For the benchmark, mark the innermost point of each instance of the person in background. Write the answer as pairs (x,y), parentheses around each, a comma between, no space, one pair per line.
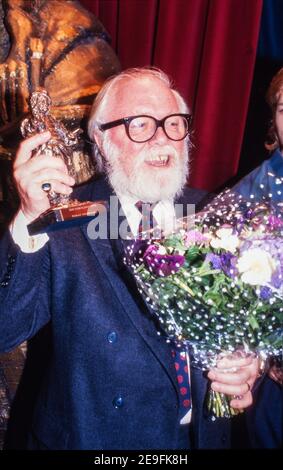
(267,179)
(265,420)
(111,381)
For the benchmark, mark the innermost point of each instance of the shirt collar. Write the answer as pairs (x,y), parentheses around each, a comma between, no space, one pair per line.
(276,163)
(163,212)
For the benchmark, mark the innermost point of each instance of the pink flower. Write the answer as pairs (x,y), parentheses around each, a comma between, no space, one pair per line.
(195,237)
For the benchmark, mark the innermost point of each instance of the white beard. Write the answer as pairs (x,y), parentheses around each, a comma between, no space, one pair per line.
(146,184)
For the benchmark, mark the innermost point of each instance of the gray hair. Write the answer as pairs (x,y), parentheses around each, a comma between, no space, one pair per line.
(102,99)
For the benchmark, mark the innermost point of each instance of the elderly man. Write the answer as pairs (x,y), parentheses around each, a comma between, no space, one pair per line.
(111,381)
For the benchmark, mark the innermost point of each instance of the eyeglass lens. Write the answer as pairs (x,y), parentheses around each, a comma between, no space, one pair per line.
(143,128)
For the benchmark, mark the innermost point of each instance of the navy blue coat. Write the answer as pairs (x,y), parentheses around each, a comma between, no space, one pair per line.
(265,417)
(111,382)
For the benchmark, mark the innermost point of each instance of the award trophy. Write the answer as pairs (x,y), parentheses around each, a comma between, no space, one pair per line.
(63,211)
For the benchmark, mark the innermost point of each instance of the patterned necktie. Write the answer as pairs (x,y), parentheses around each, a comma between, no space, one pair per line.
(147,221)
(181,367)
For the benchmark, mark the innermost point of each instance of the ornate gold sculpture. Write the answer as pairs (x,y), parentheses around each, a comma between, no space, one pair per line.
(62,142)
(64,211)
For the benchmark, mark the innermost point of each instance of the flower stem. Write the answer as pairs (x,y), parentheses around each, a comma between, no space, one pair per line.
(218,404)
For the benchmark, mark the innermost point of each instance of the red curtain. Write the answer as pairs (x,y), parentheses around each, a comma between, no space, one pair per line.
(208,47)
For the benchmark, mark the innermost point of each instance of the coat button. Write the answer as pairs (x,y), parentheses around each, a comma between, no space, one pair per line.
(118,402)
(112,337)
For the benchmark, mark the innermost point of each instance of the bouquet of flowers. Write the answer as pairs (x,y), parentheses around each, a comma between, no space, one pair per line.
(216,285)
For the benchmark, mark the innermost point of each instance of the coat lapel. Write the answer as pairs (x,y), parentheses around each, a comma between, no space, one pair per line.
(109,255)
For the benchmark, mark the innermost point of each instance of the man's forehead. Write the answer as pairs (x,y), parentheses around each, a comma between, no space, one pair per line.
(133,94)
(146,86)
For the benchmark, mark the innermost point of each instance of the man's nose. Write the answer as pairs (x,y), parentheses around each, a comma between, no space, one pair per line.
(160,137)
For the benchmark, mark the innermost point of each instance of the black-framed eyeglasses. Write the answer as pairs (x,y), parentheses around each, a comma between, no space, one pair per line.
(142,128)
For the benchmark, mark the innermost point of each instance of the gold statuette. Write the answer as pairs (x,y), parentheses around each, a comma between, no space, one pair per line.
(63,210)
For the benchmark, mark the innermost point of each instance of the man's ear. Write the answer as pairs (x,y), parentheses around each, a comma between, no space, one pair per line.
(97,138)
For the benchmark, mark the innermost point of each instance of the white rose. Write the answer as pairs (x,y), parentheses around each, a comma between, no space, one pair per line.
(256,266)
(226,240)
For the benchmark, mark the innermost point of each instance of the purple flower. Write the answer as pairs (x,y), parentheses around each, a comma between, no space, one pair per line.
(162,265)
(229,263)
(226,262)
(275,222)
(134,251)
(277,278)
(215,260)
(265,293)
